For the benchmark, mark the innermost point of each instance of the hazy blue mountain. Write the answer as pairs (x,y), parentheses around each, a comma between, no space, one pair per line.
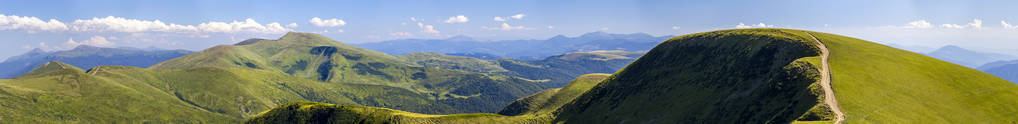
(521,49)
(913,48)
(1007,70)
(965,57)
(85,56)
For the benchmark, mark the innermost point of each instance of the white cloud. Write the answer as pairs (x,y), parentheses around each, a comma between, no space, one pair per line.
(551,27)
(94,41)
(518,16)
(457,19)
(919,24)
(506,27)
(31,24)
(1008,26)
(401,34)
(676,27)
(502,19)
(327,23)
(976,23)
(119,24)
(248,25)
(292,25)
(760,25)
(429,29)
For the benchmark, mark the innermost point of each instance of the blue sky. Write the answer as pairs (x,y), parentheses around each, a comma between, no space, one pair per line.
(195,25)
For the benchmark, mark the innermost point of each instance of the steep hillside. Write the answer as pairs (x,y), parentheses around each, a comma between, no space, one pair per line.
(315,57)
(87,57)
(728,76)
(879,84)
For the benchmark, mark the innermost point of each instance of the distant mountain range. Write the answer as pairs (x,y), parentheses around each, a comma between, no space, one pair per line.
(966,57)
(521,49)
(87,57)
(1003,69)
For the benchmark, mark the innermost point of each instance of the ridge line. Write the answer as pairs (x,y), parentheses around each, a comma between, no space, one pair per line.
(825,81)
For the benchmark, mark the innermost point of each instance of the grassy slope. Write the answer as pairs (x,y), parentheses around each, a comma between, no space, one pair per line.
(728,76)
(205,94)
(70,95)
(547,101)
(879,84)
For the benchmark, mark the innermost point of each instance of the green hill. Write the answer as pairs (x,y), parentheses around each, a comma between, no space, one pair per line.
(547,101)
(315,57)
(728,76)
(756,76)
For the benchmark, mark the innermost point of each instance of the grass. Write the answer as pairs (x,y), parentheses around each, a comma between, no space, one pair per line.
(545,102)
(878,84)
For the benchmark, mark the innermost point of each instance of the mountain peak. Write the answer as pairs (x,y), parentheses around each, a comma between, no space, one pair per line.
(249,41)
(36,50)
(51,67)
(460,38)
(951,47)
(558,37)
(85,47)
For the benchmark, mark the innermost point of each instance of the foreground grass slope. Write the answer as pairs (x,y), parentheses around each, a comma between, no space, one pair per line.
(879,84)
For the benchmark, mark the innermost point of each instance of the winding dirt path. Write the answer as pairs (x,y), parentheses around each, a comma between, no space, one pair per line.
(825,82)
